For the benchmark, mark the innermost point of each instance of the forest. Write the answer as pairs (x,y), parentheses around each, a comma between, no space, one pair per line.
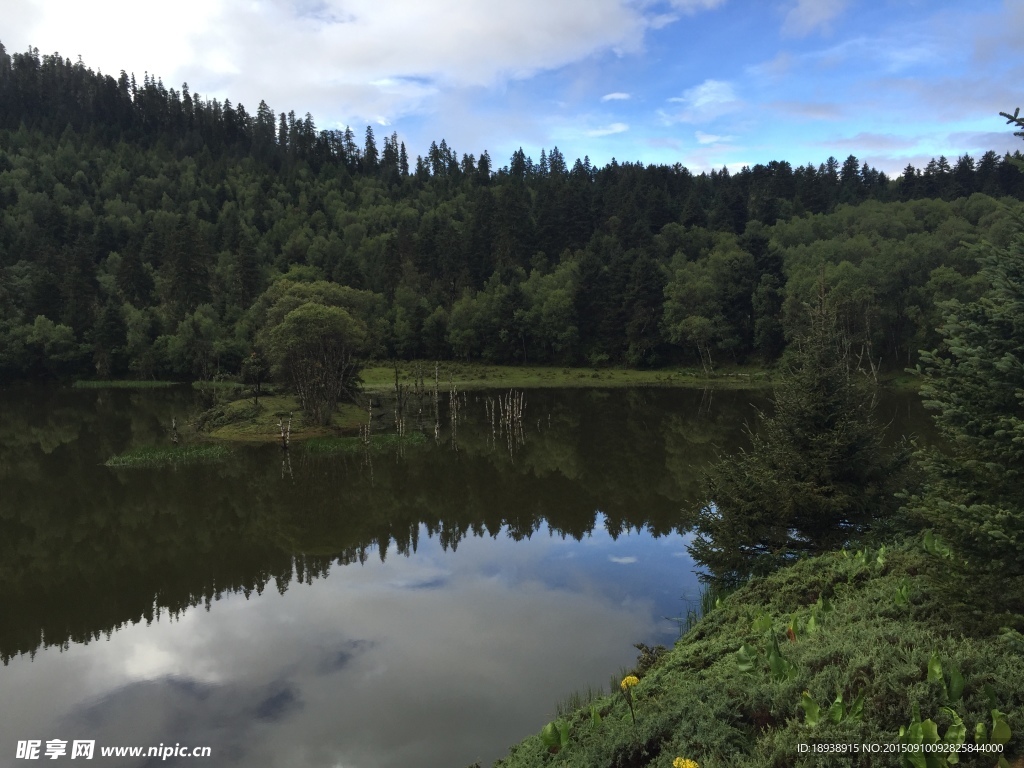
(147,232)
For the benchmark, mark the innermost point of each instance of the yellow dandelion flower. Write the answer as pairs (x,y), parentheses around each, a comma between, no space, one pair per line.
(628,682)
(683,762)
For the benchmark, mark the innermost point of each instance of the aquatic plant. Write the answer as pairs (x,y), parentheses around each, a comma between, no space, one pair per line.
(166,456)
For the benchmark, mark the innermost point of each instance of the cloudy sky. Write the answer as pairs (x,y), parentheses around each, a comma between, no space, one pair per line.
(705,83)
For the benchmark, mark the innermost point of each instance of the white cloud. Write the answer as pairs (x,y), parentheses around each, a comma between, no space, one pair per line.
(622,560)
(710,99)
(617,96)
(710,138)
(608,130)
(775,68)
(661,20)
(708,93)
(808,15)
(693,6)
(338,59)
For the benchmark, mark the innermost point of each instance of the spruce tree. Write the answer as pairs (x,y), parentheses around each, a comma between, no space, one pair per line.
(817,476)
(975,383)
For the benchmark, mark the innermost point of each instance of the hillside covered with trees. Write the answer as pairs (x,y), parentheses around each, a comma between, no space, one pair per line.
(148,232)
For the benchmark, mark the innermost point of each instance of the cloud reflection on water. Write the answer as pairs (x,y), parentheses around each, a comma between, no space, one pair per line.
(466,651)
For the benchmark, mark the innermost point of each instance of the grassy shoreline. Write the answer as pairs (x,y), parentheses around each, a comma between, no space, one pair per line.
(380,377)
(243,421)
(837,649)
(240,420)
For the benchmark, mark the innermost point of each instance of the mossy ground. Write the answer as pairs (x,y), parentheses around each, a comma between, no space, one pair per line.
(243,420)
(697,703)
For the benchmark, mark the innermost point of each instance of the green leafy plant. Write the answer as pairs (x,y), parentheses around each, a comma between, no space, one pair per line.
(762,623)
(746,659)
(837,711)
(902,596)
(555,736)
(781,668)
(1001,732)
(812,712)
(935,546)
(922,735)
(952,684)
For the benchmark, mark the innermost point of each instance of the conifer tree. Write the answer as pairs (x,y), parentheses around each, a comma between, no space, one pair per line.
(975,382)
(816,477)
(370,156)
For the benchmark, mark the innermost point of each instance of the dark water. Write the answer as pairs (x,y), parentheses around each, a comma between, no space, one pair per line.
(424,608)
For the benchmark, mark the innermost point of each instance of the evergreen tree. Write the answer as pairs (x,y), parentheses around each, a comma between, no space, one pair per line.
(816,477)
(975,382)
(370,160)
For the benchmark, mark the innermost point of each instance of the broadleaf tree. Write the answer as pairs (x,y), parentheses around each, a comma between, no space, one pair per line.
(316,349)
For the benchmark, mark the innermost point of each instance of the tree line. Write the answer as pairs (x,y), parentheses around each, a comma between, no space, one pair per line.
(147,231)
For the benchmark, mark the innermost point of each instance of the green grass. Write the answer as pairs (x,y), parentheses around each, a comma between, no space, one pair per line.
(708,598)
(336,445)
(168,456)
(83,384)
(580,699)
(381,377)
(241,421)
(700,702)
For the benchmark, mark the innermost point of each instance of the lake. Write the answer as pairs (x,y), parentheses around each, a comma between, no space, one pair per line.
(421,605)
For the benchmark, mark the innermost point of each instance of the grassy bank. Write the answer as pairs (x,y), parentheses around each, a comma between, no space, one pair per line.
(381,378)
(835,650)
(242,420)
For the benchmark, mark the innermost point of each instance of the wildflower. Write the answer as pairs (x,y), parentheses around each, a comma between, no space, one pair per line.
(625,686)
(683,762)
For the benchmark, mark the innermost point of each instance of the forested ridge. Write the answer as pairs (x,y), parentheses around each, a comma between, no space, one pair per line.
(148,232)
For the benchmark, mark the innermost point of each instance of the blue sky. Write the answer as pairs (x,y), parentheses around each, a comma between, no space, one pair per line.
(705,83)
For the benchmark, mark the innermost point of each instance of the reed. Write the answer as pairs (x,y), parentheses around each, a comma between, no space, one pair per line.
(709,598)
(578,700)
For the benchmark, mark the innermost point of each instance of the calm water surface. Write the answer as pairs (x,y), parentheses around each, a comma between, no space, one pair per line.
(424,608)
